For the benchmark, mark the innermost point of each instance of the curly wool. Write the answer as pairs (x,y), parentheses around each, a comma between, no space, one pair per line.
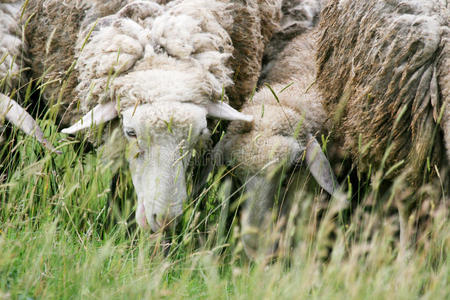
(175,53)
(383,73)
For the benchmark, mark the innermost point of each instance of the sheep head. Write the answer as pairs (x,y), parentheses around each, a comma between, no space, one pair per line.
(283,132)
(281,137)
(161,137)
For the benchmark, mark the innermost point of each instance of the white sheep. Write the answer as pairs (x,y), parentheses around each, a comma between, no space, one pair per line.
(384,74)
(287,117)
(161,69)
(12,71)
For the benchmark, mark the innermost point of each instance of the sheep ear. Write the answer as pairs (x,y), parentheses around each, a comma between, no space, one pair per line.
(18,116)
(319,166)
(222,110)
(100,114)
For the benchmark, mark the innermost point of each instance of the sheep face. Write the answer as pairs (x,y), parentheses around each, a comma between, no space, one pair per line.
(161,139)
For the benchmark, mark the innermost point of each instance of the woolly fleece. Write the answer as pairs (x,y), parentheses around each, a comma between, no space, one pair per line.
(383,71)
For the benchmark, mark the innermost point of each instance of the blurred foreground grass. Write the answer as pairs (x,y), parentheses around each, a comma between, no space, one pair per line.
(62,236)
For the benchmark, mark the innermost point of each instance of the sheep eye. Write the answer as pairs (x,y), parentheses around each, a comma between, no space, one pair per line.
(130,133)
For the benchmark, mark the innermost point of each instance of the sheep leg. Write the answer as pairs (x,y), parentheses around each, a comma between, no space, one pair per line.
(256,217)
(403,219)
(405,232)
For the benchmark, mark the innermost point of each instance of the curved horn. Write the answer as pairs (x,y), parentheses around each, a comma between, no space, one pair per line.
(320,167)
(18,116)
(222,110)
(98,115)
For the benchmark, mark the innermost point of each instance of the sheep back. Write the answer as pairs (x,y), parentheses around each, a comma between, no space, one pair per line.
(298,16)
(377,72)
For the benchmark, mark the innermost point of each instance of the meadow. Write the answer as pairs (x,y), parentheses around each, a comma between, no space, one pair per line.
(67,233)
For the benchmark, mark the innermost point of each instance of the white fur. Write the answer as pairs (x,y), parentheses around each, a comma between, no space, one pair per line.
(182,57)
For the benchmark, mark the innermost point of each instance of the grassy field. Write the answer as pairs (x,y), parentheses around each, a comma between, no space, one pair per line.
(63,236)
(65,233)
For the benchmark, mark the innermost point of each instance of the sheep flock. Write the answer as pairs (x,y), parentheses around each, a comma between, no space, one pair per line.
(300,86)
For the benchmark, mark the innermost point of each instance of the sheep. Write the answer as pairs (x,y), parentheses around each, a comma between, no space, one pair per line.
(288,116)
(161,69)
(12,74)
(383,73)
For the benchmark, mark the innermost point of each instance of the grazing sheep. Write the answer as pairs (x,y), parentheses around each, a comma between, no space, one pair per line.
(384,76)
(160,69)
(12,74)
(285,126)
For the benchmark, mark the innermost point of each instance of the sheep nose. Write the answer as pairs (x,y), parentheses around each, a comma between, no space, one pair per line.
(163,222)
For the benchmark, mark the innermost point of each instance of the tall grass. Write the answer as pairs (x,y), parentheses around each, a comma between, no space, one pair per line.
(65,233)
(62,236)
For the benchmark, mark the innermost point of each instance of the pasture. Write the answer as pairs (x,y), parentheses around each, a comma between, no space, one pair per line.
(65,234)
(68,228)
